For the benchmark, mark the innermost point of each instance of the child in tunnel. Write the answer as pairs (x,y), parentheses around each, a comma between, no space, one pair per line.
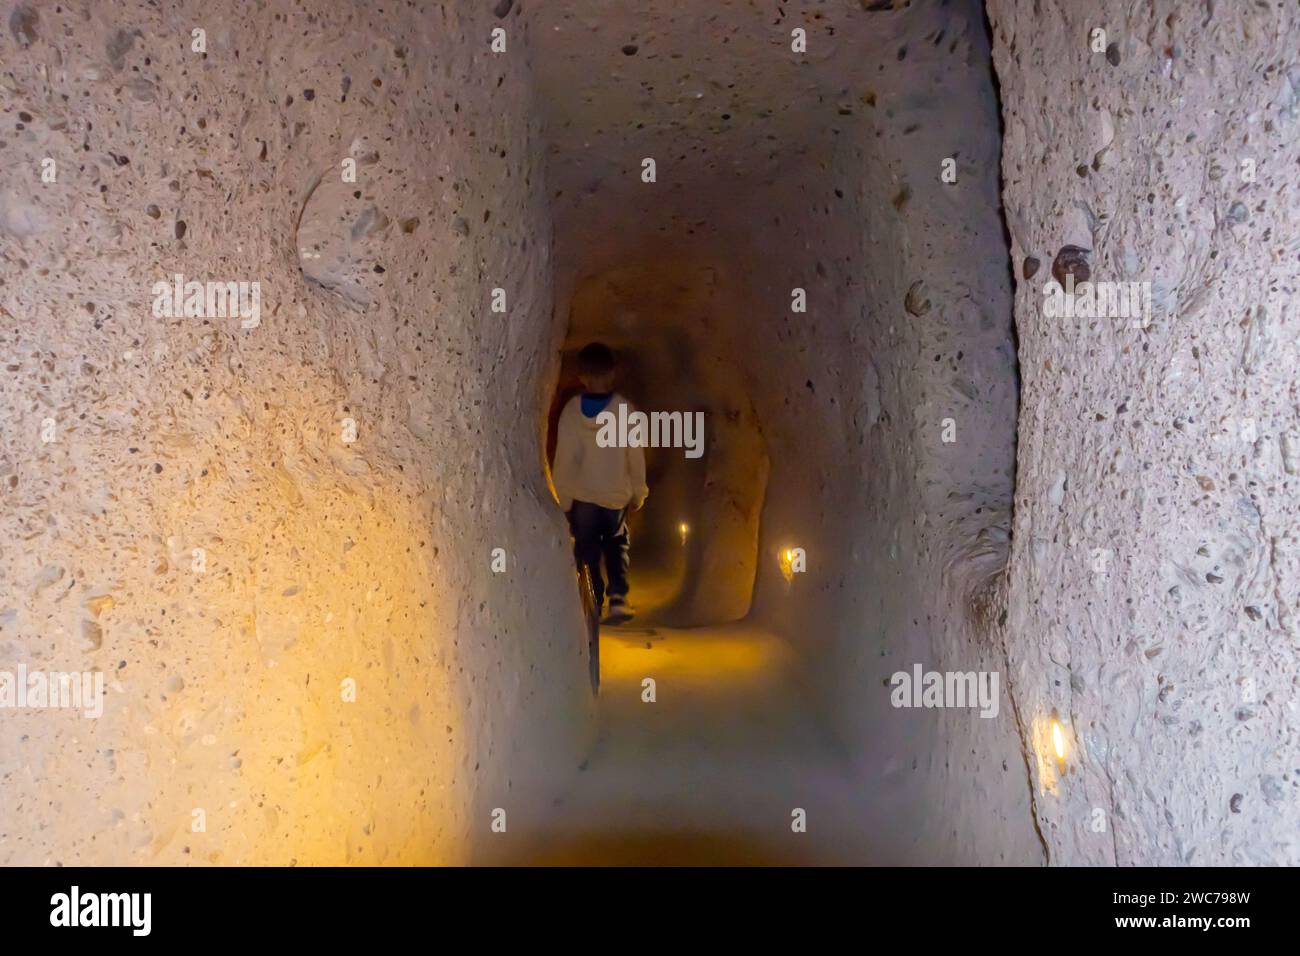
(597,485)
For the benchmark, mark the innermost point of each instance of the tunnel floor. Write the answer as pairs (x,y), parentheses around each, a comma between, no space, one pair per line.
(714,769)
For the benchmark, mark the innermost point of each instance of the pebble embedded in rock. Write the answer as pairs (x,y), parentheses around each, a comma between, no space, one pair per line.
(23,23)
(118,47)
(92,636)
(916,301)
(1071,261)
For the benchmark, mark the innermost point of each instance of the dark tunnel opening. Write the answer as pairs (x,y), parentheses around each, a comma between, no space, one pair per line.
(695,543)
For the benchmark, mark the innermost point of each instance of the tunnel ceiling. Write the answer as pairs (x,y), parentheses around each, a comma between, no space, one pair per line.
(713,92)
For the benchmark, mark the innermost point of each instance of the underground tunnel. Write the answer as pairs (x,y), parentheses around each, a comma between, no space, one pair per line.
(293,299)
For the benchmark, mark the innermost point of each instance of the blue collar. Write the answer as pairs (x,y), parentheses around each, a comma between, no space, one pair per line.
(593,403)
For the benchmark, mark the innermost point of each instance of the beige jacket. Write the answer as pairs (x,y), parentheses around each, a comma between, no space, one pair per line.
(609,477)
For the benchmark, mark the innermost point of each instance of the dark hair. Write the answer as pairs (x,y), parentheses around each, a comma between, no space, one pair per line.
(595,359)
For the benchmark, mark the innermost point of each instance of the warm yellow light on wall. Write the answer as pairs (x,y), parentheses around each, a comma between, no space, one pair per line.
(683,529)
(793,561)
(1053,750)
(1058,740)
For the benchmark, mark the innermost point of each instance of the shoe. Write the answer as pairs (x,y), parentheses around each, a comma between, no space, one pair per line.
(618,611)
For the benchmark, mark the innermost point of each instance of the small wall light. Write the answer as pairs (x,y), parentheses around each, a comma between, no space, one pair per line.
(793,561)
(1053,750)
(1058,740)
(683,529)
(1060,745)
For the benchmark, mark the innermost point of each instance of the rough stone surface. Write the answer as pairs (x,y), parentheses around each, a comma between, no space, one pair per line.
(323,559)
(1154,580)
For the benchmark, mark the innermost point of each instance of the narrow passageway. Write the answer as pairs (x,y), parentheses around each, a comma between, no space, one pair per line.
(723,766)
(709,200)
(292,295)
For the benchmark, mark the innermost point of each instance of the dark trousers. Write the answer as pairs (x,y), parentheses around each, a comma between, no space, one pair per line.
(601,533)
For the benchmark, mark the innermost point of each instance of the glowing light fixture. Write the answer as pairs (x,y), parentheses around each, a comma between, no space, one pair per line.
(1058,739)
(683,529)
(793,561)
(1051,738)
